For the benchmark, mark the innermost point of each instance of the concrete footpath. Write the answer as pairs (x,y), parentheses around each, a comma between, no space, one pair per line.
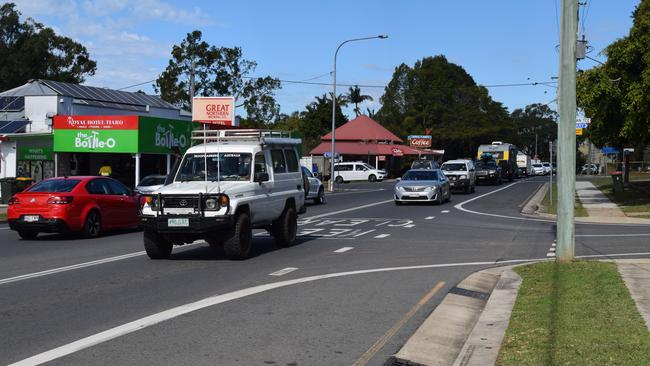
(469,325)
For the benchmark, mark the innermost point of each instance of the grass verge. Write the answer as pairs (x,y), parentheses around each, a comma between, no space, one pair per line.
(551,207)
(3,216)
(630,201)
(576,313)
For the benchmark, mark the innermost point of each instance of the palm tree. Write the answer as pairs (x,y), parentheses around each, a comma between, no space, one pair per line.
(354,96)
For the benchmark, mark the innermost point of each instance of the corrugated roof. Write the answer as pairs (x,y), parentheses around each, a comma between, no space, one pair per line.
(360,148)
(363,128)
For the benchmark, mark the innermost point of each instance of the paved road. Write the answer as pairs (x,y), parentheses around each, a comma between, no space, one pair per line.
(345,293)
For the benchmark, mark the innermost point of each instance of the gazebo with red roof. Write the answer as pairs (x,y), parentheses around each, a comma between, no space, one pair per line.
(363,138)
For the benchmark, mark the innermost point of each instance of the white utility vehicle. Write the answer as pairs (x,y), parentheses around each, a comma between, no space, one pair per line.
(346,172)
(253,181)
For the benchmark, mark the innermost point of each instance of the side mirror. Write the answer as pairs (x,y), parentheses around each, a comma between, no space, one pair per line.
(398,179)
(261,177)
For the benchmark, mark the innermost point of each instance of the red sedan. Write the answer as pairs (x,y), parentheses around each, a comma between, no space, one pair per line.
(73,204)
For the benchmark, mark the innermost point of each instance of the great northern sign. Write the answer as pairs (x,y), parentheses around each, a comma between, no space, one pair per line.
(419,141)
(214,110)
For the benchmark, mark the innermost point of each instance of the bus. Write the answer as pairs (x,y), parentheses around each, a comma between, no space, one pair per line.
(506,156)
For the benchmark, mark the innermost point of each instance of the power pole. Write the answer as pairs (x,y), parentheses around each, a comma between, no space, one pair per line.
(550,160)
(192,84)
(566,157)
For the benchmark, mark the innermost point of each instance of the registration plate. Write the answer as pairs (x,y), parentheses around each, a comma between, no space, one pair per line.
(178,222)
(31,218)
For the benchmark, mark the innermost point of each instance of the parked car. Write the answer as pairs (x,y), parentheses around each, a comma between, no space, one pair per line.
(461,175)
(252,180)
(73,204)
(422,185)
(538,169)
(424,164)
(547,167)
(488,171)
(346,172)
(594,169)
(150,183)
(315,189)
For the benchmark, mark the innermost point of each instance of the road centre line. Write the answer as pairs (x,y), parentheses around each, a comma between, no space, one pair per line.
(172,313)
(381,342)
(136,254)
(343,250)
(283,271)
(381,236)
(445,211)
(429,217)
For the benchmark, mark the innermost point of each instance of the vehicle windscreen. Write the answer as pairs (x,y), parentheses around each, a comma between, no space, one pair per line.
(221,167)
(54,185)
(537,165)
(420,175)
(486,165)
(152,181)
(454,167)
(421,165)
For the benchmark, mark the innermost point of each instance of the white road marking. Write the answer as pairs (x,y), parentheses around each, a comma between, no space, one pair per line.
(459,206)
(347,210)
(343,250)
(409,226)
(283,271)
(172,313)
(550,254)
(612,255)
(77,266)
(608,235)
(381,236)
(552,249)
(429,217)
(445,211)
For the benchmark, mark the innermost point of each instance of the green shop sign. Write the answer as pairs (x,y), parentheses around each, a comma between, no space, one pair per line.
(92,140)
(35,153)
(162,136)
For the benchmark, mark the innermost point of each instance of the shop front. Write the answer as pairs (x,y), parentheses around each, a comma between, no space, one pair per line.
(132,147)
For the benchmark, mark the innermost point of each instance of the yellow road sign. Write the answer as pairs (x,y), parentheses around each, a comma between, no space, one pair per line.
(578,131)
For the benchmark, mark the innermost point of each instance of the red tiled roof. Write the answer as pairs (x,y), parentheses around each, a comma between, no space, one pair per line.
(363,128)
(360,148)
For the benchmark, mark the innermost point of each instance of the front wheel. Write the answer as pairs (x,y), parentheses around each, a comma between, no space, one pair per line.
(157,246)
(286,228)
(372,178)
(238,244)
(27,234)
(339,179)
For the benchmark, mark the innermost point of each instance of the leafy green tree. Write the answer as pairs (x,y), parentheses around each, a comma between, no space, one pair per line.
(29,50)
(536,126)
(442,97)
(355,97)
(616,95)
(217,71)
(315,121)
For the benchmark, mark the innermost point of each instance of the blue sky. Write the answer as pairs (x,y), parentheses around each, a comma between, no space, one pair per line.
(497,42)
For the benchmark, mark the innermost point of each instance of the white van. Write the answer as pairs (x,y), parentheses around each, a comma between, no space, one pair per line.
(346,172)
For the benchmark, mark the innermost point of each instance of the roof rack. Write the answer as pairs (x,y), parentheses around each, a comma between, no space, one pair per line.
(262,136)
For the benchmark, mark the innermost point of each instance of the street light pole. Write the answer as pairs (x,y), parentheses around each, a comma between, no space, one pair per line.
(333,157)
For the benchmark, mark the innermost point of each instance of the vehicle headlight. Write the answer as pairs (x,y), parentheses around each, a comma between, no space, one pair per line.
(152,201)
(400,188)
(463,176)
(211,204)
(492,172)
(429,189)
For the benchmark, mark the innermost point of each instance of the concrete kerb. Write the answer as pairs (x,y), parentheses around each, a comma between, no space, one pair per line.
(468,326)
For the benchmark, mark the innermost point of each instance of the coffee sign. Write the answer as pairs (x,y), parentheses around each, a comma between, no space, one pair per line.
(419,141)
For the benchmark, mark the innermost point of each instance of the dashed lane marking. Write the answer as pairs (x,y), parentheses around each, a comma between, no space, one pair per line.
(429,217)
(409,226)
(550,254)
(445,211)
(381,236)
(343,250)
(283,271)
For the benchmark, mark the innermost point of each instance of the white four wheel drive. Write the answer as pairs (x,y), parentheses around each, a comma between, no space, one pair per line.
(253,181)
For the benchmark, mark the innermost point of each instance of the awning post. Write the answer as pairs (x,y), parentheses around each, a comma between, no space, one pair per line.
(137,169)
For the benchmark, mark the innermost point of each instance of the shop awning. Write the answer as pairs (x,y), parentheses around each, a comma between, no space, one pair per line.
(12,126)
(360,148)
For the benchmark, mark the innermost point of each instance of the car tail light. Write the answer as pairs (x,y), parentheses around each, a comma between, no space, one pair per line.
(14,201)
(59,200)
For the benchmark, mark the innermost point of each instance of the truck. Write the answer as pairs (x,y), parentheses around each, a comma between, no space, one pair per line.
(525,164)
(232,182)
(505,155)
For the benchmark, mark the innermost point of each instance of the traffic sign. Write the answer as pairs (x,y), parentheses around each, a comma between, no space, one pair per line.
(578,131)
(583,120)
(581,125)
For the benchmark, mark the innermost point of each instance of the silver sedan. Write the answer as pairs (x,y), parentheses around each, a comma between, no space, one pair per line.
(422,185)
